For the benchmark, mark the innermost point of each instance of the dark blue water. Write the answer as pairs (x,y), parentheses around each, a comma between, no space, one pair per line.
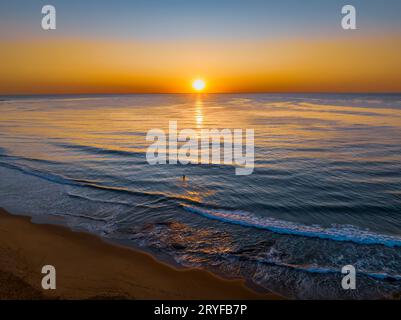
(325,191)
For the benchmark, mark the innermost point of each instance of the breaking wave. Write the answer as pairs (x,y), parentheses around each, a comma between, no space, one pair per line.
(336,233)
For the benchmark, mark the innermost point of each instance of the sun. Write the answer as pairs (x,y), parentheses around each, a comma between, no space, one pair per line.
(198,85)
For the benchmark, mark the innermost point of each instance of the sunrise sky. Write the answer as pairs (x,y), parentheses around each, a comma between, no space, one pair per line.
(236,46)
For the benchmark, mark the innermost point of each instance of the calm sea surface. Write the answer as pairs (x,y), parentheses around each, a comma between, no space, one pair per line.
(325,191)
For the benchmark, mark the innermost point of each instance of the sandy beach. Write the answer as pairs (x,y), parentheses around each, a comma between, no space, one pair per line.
(89,268)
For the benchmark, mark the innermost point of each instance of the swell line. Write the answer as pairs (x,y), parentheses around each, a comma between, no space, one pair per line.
(59,179)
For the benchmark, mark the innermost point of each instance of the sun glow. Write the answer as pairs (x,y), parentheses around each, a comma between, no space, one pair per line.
(198,85)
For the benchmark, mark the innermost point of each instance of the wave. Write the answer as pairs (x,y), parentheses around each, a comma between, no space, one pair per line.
(40,174)
(343,233)
(43,161)
(80,196)
(84,183)
(325,270)
(336,233)
(99,150)
(82,216)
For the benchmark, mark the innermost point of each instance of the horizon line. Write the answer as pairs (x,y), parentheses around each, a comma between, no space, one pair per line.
(197,93)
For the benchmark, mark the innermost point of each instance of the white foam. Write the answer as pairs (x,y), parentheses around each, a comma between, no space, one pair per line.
(337,233)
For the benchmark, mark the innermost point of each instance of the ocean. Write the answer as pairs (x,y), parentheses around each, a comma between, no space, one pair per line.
(325,191)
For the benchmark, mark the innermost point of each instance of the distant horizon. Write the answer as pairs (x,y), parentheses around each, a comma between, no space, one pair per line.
(234,47)
(191,93)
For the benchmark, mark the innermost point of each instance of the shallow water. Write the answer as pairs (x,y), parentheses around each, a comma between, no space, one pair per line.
(325,191)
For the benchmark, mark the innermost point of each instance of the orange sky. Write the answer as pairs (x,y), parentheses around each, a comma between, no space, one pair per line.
(65,65)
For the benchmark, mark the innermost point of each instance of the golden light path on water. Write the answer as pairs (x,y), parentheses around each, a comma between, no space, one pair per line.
(123,126)
(198,112)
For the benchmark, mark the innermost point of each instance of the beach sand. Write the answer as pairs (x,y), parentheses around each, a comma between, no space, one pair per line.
(90,268)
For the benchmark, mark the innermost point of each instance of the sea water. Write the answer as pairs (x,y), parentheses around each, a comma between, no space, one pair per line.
(325,191)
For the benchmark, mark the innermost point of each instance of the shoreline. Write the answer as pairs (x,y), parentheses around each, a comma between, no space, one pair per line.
(87,267)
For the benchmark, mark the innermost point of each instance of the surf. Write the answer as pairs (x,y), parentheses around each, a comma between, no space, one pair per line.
(341,233)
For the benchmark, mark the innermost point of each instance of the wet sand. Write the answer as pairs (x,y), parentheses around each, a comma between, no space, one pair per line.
(89,268)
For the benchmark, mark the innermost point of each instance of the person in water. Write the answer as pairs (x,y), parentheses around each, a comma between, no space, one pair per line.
(184,177)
